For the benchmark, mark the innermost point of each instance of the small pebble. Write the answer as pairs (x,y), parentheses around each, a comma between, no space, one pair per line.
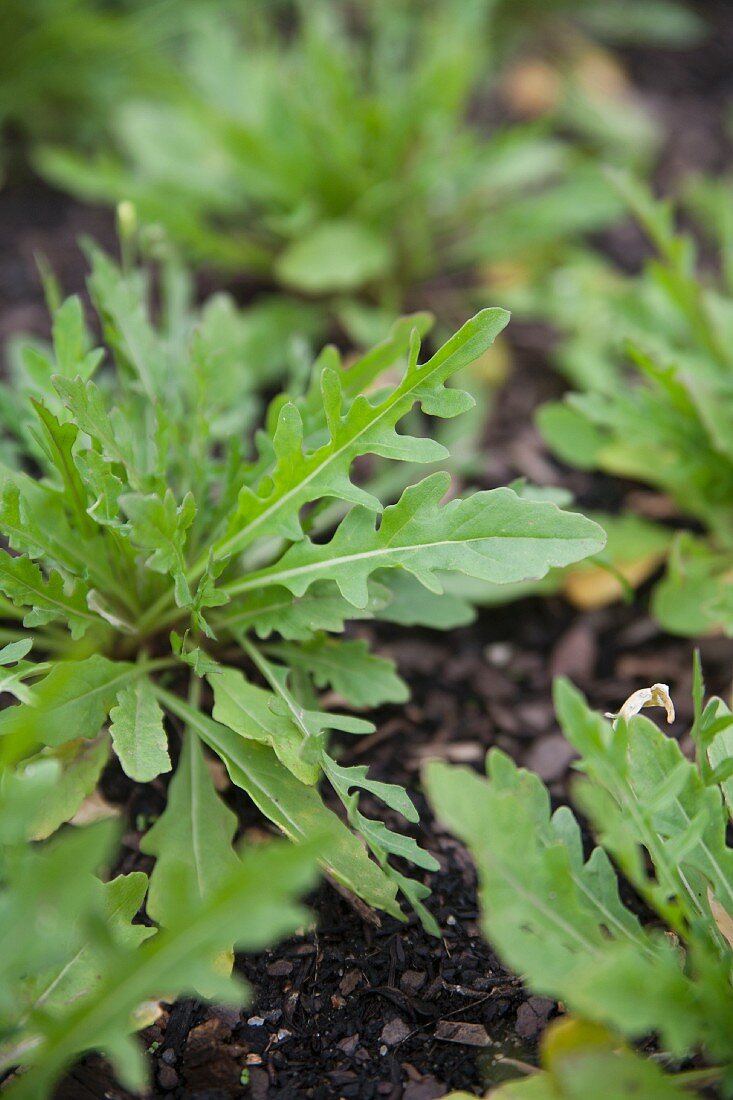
(498,654)
(167,1077)
(255,1021)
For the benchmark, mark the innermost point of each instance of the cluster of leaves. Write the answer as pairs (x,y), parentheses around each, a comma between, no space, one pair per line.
(557,918)
(653,364)
(78,972)
(69,63)
(66,63)
(169,573)
(338,159)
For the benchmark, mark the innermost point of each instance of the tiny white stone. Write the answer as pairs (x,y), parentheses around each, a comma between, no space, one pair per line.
(498,654)
(256,1021)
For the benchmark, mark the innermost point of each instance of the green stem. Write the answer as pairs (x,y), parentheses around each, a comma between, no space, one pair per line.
(264,666)
(8,635)
(152,617)
(194,691)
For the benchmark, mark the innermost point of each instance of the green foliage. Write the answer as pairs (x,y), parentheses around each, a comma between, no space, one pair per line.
(138,736)
(78,971)
(652,360)
(338,159)
(557,917)
(66,63)
(176,569)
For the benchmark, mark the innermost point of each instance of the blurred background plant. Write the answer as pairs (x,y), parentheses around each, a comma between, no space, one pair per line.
(370,157)
(342,162)
(67,64)
(650,357)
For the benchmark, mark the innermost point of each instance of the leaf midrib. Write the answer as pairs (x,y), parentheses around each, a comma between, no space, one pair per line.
(416,379)
(264,577)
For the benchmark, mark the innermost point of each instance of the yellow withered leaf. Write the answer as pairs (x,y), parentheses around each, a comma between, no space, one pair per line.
(592,587)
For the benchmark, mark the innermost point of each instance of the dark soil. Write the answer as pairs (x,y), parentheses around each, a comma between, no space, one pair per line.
(359,1011)
(36,221)
(691,92)
(367,1008)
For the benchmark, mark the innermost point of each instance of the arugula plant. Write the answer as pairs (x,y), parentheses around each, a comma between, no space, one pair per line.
(338,160)
(557,918)
(172,569)
(653,368)
(77,973)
